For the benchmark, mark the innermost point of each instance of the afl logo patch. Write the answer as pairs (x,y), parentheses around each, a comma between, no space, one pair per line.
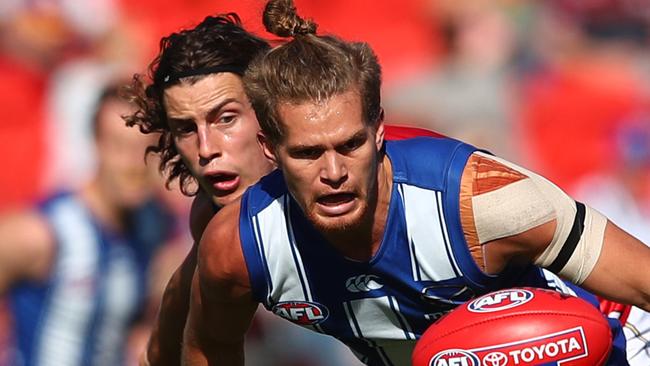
(301,312)
(500,300)
(455,357)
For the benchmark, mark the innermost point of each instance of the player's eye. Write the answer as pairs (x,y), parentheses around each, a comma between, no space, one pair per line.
(352,144)
(182,128)
(306,153)
(227,118)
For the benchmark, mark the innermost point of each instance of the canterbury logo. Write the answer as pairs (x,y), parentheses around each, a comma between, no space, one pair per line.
(363,283)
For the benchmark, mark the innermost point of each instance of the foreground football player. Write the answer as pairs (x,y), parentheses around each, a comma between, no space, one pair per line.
(370,241)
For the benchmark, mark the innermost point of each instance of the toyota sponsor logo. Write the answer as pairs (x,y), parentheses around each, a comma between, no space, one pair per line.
(500,300)
(455,357)
(552,349)
(363,283)
(495,359)
(301,312)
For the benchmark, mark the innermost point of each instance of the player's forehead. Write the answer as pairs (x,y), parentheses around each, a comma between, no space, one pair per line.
(334,119)
(187,99)
(110,120)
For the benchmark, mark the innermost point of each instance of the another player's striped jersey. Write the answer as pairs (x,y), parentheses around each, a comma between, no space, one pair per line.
(82,314)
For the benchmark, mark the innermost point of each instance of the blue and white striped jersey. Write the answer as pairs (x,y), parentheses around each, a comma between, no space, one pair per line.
(422,269)
(81,315)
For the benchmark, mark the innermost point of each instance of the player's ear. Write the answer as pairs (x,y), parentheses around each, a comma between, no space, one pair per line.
(267,147)
(379,135)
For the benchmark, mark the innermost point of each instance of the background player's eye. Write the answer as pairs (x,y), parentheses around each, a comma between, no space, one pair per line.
(227,118)
(184,128)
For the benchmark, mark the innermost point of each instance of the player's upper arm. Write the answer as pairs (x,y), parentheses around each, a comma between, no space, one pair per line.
(511,214)
(220,258)
(222,305)
(200,215)
(26,248)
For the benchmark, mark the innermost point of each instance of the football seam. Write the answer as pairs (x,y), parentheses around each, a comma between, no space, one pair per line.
(431,342)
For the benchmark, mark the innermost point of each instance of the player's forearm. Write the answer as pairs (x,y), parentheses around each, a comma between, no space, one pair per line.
(218,355)
(619,274)
(164,346)
(202,348)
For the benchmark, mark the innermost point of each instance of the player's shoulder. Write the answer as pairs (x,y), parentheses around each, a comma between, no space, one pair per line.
(426,161)
(58,201)
(29,225)
(221,227)
(264,192)
(220,255)
(429,144)
(201,213)
(34,223)
(27,244)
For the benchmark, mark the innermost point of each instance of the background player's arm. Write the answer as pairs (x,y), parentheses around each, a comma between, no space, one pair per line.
(221,306)
(164,345)
(27,248)
(514,216)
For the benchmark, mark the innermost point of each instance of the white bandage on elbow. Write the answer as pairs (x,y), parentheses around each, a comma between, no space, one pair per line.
(574,253)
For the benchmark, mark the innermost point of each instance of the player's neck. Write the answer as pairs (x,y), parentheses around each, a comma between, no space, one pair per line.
(101,207)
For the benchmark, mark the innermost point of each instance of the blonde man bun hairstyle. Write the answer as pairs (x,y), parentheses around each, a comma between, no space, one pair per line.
(281,18)
(308,68)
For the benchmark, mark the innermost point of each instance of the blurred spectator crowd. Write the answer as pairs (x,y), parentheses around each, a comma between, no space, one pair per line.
(560,86)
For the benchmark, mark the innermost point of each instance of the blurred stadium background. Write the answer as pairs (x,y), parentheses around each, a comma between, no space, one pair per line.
(560,86)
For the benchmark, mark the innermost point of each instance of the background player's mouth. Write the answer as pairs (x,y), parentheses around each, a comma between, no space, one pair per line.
(224,183)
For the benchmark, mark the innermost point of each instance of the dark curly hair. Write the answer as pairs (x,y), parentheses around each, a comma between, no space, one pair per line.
(217,41)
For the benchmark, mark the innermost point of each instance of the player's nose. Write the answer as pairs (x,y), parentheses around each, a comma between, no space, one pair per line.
(209,143)
(333,171)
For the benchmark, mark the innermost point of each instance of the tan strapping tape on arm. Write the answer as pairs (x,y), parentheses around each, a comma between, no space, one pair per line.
(586,254)
(522,205)
(500,214)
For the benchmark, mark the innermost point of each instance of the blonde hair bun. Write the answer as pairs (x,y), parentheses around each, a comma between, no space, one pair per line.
(280,18)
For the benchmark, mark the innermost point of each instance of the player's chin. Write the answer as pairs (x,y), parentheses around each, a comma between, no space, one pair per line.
(337,223)
(221,198)
(131,198)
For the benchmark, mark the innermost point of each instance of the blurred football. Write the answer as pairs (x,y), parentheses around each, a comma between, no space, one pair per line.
(517,327)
